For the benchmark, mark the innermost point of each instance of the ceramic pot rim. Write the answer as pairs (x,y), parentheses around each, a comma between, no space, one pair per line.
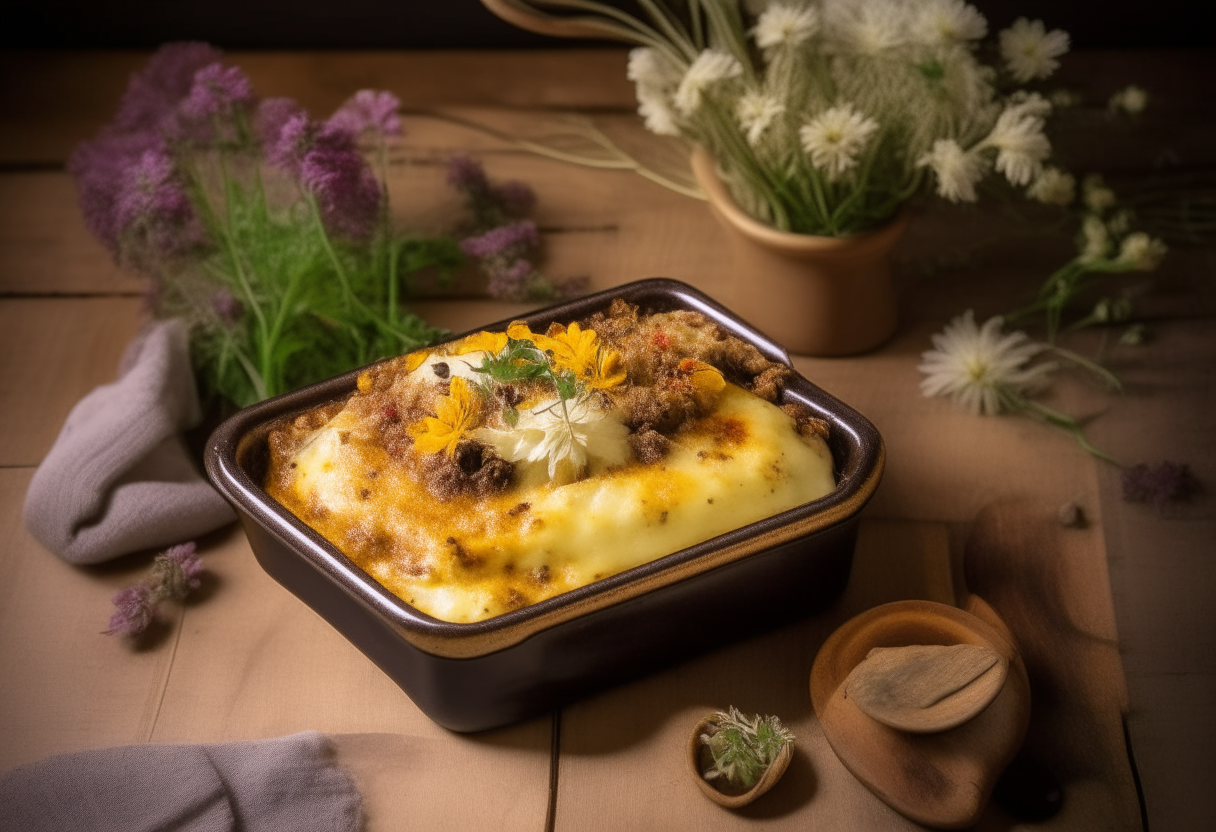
(879,240)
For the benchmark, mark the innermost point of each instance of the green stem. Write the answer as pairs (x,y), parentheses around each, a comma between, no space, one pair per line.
(1067,423)
(1101,372)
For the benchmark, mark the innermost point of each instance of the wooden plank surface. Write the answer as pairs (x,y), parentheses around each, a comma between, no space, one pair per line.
(949,476)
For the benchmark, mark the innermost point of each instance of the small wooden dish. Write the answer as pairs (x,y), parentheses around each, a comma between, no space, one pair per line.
(699,760)
(941,779)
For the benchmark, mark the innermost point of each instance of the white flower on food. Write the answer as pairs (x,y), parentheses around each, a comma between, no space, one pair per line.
(1131,100)
(866,27)
(1095,239)
(1141,252)
(1030,51)
(1096,195)
(567,437)
(756,112)
(957,170)
(836,137)
(1053,187)
(711,67)
(784,25)
(1019,140)
(981,368)
(945,22)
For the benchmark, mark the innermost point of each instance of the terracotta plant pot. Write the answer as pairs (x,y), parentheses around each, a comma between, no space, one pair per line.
(821,296)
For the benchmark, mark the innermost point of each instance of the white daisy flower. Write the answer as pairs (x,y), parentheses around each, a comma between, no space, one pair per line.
(648,67)
(957,170)
(981,368)
(656,78)
(711,67)
(566,437)
(1141,252)
(756,112)
(1053,187)
(783,25)
(1131,100)
(945,22)
(866,27)
(1097,196)
(1019,140)
(1095,239)
(1030,51)
(835,139)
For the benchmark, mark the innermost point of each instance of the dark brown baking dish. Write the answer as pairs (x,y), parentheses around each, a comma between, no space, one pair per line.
(470,677)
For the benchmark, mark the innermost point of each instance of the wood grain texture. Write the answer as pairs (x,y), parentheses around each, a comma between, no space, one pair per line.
(53,352)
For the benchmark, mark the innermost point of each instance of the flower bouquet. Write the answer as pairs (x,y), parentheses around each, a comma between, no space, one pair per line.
(824,118)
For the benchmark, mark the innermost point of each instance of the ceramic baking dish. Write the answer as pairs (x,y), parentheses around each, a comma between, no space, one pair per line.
(470,677)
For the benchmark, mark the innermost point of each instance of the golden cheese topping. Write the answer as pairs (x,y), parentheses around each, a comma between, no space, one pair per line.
(571,501)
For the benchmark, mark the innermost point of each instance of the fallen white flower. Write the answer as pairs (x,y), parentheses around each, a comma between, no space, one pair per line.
(981,368)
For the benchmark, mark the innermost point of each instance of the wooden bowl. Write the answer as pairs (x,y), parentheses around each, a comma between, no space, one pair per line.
(698,761)
(941,779)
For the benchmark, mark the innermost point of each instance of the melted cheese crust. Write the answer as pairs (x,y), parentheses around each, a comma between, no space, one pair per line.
(470,558)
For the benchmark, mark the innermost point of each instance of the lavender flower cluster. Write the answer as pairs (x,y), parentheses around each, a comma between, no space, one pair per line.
(503,240)
(141,183)
(175,573)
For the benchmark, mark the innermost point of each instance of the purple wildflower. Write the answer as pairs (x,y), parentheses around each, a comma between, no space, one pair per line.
(135,610)
(517,197)
(509,281)
(100,167)
(347,192)
(466,175)
(272,116)
(504,241)
(176,571)
(217,89)
(299,136)
(1165,482)
(227,307)
(155,91)
(369,110)
(153,216)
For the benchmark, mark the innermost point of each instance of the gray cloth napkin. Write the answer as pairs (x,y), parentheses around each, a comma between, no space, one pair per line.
(118,478)
(289,784)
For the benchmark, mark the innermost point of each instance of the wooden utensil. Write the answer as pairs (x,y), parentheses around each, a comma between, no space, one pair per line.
(942,778)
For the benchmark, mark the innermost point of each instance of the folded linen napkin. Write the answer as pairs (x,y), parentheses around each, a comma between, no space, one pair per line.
(118,478)
(289,783)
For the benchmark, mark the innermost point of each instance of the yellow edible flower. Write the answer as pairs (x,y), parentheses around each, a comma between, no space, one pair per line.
(706,379)
(578,350)
(415,359)
(489,342)
(455,415)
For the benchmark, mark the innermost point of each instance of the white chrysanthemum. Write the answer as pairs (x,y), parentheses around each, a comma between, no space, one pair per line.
(783,25)
(756,112)
(1131,100)
(835,139)
(957,170)
(1141,252)
(981,368)
(1095,239)
(648,67)
(1096,195)
(1019,140)
(657,114)
(866,27)
(1030,51)
(711,67)
(1053,187)
(567,439)
(946,22)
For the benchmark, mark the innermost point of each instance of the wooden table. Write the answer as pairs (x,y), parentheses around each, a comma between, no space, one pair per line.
(962,496)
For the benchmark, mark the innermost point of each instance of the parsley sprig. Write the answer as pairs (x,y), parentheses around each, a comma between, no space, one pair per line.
(521,360)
